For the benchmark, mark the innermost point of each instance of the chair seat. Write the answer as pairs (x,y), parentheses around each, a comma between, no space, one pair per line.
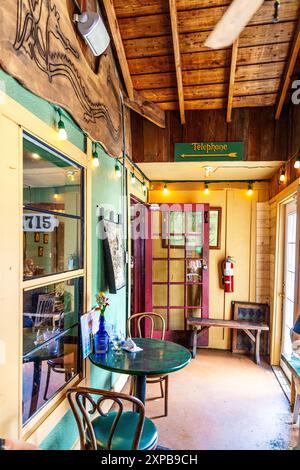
(124,433)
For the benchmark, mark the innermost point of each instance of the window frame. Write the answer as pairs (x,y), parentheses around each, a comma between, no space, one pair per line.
(53,278)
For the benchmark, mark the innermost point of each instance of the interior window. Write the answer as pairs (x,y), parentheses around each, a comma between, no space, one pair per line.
(52,217)
(53,221)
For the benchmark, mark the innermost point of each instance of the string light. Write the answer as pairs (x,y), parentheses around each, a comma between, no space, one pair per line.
(62,133)
(250,189)
(118,172)
(144,186)
(282,176)
(132,178)
(36,156)
(206,189)
(95,160)
(165,190)
(297,161)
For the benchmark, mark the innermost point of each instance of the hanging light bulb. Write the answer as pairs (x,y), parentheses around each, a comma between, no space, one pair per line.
(206,189)
(144,186)
(62,133)
(282,176)
(118,172)
(297,161)
(250,189)
(165,190)
(132,178)
(95,160)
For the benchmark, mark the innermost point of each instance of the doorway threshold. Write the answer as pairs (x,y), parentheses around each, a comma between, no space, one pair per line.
(283,381)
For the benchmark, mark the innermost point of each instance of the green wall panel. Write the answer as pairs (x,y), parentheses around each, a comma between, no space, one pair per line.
(106,190)
(41,108)
(63,436)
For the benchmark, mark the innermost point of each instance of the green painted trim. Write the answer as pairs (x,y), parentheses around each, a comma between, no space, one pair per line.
(41,108)
(63,436)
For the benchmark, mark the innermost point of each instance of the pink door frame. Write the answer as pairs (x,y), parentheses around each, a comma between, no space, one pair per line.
(204,208)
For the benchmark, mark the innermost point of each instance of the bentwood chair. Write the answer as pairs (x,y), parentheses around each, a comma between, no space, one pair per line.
(162,379)
(110,430)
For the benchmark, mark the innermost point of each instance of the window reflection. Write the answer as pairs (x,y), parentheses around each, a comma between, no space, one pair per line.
(53,308)
(56,249)
(52,218)
(47,369)
(50,181)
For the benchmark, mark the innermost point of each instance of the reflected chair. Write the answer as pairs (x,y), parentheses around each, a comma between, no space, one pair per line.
(61,365)
(162,379)
(110,430)
(44,311)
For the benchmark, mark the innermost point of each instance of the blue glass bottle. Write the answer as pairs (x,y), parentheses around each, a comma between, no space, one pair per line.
(101,338)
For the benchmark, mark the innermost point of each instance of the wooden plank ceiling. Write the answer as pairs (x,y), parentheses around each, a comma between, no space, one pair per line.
(263,53)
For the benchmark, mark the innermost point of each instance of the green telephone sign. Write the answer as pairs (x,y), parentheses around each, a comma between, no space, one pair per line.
(209,152)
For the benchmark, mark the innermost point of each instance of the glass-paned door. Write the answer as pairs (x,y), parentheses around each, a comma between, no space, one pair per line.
(289,278)
(177,261)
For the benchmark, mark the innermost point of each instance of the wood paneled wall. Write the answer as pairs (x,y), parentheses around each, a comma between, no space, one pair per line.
(293,147)
(265,139)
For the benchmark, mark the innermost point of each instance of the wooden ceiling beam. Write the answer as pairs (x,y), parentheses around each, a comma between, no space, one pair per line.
(232,79)
(135,100)
(177,57)
(290,66)
(118,42)
(149,110)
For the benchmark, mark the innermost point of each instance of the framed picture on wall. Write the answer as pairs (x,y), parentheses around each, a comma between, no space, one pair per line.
(250,312)
(46,238)
(37,237)
(215,220)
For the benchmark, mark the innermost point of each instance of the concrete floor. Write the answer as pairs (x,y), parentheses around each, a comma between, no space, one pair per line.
(224,401)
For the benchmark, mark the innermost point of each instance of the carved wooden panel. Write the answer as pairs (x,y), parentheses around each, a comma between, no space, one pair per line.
(39,47)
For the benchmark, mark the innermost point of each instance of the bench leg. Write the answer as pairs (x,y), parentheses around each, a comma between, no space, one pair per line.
(296,409)
(257,347)
(195,338)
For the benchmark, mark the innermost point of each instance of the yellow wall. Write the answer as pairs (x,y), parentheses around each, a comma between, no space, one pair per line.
(238,239)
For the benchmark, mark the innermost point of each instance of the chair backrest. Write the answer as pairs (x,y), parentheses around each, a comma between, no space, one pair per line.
(45,307)
(86,402)
(152,316)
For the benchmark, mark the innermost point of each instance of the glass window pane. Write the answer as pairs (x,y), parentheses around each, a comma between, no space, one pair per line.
(50,181)
(176,319)
(177,271)
(51,244)
(47,369)
(49,311)
(160,271)
(160,296)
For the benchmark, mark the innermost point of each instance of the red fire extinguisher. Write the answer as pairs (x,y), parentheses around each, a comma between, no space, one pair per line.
(227,274)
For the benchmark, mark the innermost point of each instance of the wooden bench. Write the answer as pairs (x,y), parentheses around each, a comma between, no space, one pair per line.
(206,323)
(293,363)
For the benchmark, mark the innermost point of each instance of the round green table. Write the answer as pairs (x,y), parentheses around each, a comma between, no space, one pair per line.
(157,358)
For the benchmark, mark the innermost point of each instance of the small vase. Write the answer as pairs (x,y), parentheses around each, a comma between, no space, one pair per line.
(101,338)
